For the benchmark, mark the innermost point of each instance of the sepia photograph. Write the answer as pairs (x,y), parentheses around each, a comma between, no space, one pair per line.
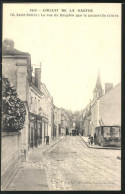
(61,97)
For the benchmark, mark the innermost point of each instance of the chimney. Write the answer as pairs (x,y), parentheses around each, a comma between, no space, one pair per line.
(108,87)
(8,43)
(38,78)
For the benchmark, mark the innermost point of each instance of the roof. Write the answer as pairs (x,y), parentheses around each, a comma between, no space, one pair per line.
(47,91)
(108,126)
(118,85)
(12,51)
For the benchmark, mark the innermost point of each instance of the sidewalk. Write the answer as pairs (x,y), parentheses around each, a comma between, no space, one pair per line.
(32,175)
(85,139)
(36,154)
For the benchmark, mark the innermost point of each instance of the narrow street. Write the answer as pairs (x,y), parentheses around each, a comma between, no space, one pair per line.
(71,165)
(61,97)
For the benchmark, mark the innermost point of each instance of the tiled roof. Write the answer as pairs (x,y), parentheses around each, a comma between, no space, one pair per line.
(7,51)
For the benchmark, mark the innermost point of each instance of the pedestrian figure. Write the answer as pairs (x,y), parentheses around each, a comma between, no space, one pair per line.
(89,140)
(95,138)
(47,140)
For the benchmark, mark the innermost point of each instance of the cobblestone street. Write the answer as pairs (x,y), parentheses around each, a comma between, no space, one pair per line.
(61,104)
(71,165)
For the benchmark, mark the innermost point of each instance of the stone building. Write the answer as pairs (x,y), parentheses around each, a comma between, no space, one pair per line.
(35,135)
(49,113)
(86,120)
(97,93)
(16,67)
(70,121)
(110,107)
(47,105)
(64,122)
(57,122)
(94,115)
(106,108)
(39,108)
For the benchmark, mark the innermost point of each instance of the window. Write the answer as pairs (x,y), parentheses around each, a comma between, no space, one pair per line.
(31,100)
(106,131)
(115,131)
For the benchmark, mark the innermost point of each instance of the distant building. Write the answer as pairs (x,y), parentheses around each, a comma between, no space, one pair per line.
(86,120)
(98,92)
(64,122)
(57,122)
(110,107)
(106,110)
(47,104)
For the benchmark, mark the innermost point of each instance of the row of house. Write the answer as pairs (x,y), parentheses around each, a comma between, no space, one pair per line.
(103,110)
(42,118)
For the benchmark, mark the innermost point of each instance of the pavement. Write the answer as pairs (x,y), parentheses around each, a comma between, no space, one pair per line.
(36,154)
(32,174)
(85,139)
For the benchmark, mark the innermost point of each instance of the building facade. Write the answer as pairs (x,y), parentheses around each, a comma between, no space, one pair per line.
(110,107)
(97,93)
(64,122)
(38,101)
(57,122)
(86,120)
(17,68)
(106,108)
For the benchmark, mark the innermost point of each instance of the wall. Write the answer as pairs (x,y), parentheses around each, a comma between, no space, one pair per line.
(10,156)
(24,137)
(15,69)
(49,106)
(94,116)
(22,82)
(110,107)
(87,126)
(35,101)
(9,69)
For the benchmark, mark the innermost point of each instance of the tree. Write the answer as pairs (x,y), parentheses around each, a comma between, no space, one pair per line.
(13,109)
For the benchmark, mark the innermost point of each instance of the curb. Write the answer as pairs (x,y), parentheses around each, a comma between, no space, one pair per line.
(46,169)
(54,144)
(108,148)
(42,150)
(47,175)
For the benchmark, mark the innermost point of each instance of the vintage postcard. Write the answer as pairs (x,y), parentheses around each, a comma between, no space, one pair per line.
(61,97)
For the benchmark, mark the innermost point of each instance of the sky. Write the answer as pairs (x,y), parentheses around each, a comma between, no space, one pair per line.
(71,49)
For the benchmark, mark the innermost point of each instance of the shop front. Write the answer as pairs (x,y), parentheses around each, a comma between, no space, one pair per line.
(35,130)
